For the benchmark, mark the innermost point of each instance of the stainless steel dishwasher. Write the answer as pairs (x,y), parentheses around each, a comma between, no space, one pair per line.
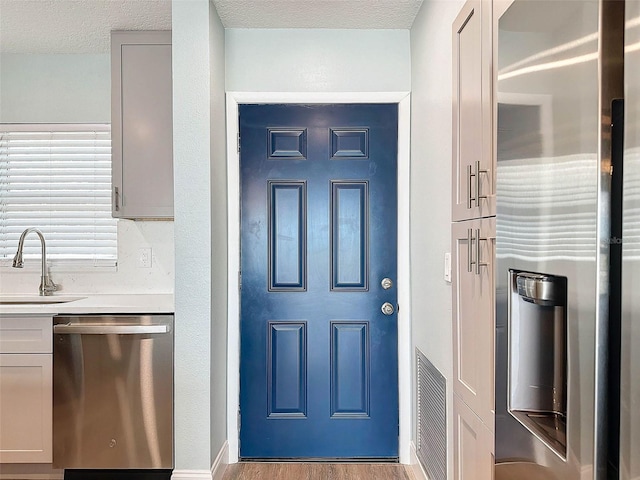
(113,392)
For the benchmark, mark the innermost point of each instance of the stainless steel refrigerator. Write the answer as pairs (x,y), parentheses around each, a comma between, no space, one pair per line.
(630,334)
(567,348)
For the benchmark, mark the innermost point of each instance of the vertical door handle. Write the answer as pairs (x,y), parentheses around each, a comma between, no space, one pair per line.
(477,175)
(469,194)
(474,196)
(478,262)
(470,261)
(116,199)
(471,240)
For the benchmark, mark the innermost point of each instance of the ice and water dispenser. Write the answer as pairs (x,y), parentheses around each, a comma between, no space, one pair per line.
(537,392)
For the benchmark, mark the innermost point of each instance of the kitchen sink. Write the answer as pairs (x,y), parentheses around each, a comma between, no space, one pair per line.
(35,299)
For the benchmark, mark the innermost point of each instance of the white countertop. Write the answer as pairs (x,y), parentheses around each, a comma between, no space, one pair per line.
(91,303)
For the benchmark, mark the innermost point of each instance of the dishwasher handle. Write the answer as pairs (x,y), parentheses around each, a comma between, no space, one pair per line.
(108,329)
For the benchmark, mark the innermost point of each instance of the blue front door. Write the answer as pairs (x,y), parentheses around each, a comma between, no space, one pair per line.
(318,367)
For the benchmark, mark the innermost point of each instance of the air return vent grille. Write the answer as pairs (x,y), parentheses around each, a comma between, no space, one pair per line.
(432,418)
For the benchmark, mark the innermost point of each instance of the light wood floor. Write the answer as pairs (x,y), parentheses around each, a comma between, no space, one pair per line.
(316,471)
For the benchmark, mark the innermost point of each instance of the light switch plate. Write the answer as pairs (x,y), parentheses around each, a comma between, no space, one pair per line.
(447,267)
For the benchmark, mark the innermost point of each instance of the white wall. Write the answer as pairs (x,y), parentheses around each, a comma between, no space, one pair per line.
(320,60)
(55,88)
(77,88)
(200,236)
(431,133)
(218,236)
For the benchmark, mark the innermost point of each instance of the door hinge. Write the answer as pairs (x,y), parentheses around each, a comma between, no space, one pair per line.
(239,280)
(238,143)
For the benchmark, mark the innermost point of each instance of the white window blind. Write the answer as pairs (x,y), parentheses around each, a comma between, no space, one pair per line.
(57,178)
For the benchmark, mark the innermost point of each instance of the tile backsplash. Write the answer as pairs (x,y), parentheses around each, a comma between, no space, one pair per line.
(145,265)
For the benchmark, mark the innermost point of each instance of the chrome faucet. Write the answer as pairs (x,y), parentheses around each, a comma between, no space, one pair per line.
(47,287)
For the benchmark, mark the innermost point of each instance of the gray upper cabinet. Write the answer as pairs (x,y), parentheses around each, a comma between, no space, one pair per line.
(473,172)
(142,124)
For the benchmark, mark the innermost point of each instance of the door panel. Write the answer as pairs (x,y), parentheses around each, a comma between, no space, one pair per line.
(349,235)
(287,236)
(349,369)
(287,369)
(318,369)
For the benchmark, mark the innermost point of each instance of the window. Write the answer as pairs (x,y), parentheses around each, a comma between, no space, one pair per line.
(57,178)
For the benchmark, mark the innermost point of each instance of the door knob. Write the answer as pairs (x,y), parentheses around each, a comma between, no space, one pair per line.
(387,308)
(386,283)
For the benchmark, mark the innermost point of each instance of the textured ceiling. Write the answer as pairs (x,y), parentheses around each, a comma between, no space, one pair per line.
(83,26)
(75,26)
(317,13)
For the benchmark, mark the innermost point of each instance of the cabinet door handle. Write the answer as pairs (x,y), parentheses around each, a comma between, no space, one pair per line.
(478,262)
(471,239)
(470,198)
(116,199)
(470,261)
(474,196)
(477,175)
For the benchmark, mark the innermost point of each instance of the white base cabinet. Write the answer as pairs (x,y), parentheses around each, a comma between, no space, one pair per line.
(473,253)
(473,444)
(26,390)
(25,408)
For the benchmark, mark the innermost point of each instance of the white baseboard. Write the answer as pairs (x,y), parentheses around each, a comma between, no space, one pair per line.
(191,475)
(416,466)
(216,472)
(221,462)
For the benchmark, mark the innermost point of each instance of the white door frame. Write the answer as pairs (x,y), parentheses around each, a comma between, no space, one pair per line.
(233,262)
